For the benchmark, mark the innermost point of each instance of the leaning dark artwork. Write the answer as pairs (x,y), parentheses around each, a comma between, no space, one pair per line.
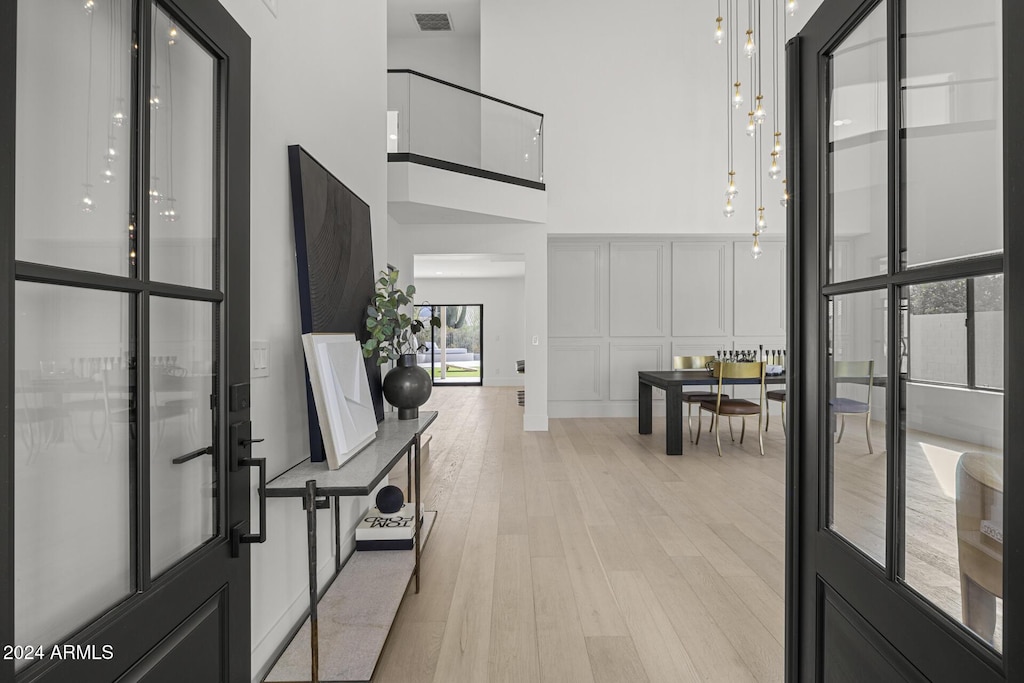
(334,251)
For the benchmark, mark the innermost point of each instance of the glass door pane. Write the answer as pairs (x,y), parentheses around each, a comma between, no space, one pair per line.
(74,134)
(856,413)
(182,157)
(184,487)
(73,445)
(953,444)
(858,151)
(952,129)
(456,348)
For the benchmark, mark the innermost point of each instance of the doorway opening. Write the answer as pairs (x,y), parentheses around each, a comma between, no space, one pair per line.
(454,355)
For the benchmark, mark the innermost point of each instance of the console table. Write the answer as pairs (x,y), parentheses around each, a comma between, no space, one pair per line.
(315,484)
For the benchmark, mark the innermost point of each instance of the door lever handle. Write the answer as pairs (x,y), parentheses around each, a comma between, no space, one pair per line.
(241,436)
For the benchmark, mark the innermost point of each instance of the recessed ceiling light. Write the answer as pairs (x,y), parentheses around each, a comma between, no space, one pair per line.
(393,136)
(438,273)
(837,123)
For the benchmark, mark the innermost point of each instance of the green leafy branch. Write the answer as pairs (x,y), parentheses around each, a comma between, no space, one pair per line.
(392,332)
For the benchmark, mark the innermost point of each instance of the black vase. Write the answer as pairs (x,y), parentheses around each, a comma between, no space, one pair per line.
(407,386)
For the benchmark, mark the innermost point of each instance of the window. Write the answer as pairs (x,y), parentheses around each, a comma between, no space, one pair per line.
(955,332)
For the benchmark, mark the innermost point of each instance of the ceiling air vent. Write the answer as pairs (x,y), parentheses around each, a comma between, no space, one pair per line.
(434,21)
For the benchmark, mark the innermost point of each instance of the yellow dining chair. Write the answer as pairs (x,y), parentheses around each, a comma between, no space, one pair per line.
(732,407)
(694,397)
(853,372)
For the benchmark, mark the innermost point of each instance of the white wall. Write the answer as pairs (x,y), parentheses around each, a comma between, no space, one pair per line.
(504,324)
(318,79)
(634,111)
(451,58)
(405,241)
(619,304)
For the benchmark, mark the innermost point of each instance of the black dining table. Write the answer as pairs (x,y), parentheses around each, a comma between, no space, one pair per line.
(672,382)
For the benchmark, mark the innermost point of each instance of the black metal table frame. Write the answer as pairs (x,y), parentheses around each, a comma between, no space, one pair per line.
(313,499)
(672,382)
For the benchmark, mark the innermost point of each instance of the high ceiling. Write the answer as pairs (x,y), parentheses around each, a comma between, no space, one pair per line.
(465,16)
(427,266)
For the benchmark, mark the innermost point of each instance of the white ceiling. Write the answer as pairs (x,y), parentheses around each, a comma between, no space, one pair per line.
(465,16)
(427,266)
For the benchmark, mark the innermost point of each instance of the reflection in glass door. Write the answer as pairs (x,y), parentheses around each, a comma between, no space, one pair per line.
(905,243)
(454,354)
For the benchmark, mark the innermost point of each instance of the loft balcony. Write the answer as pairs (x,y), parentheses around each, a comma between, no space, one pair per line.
(459,156)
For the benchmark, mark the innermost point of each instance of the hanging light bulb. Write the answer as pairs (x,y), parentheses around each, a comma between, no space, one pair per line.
(759,113)
(731,190)
(87,204)
(169,214)
(762,224)
(111,154)
(108,174)
(718,31)
(777,145)
(154,194)
(784,200)
(751,125)
(172,35)
(89,6)
(737,96)
(749,48)
(755,249)
(154,98)
(791,7)
(729,209)
(774,171)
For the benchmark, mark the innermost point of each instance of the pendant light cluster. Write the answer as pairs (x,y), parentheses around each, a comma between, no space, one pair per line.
(743,42)
(118,118)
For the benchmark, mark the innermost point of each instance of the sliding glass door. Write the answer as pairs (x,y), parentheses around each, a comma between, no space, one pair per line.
(454,354)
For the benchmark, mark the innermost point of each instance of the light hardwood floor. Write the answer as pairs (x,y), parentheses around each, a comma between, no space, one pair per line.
(586,554)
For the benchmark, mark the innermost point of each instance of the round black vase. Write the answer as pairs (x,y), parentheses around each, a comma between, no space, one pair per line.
(407,386)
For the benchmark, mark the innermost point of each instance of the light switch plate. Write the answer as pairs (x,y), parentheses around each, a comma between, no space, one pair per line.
(259,358)
(271,5)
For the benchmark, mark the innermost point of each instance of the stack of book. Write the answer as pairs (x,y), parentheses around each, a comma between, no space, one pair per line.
(378,531)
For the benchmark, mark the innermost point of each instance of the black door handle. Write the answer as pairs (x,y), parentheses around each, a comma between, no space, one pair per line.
(241,441)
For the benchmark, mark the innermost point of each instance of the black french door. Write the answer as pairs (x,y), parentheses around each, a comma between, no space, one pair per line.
(124,293)
(907,398)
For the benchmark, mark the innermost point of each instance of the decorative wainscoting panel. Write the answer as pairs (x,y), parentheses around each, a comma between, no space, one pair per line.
(577,371)
(610,298)
(625,361)
(759,307)
(637,276)
(577,272)
(701,289)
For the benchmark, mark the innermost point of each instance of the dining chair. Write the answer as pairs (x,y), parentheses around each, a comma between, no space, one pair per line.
(780,396)
(853,372)
(735,407)
(694,397)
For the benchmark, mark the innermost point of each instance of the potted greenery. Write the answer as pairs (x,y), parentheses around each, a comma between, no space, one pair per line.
(393,337)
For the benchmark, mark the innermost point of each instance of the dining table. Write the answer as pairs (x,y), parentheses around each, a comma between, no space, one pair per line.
(672,382)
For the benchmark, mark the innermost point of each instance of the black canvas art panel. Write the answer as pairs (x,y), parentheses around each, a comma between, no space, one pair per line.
(334,252)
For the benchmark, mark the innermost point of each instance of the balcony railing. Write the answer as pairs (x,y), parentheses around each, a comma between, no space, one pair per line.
(436,123)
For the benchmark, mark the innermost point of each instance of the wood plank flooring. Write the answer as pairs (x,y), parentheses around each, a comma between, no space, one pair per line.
(586,554)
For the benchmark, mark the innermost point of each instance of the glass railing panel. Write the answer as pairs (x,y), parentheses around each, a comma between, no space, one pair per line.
(444,122)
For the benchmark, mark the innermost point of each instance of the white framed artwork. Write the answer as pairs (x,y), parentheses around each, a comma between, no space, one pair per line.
(341,393)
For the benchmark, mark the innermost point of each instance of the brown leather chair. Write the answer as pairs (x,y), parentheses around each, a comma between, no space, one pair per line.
(780,396)
(735,407)
(694,397)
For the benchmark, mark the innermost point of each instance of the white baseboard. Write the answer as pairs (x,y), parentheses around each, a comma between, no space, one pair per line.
(535,423)
(265,653)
